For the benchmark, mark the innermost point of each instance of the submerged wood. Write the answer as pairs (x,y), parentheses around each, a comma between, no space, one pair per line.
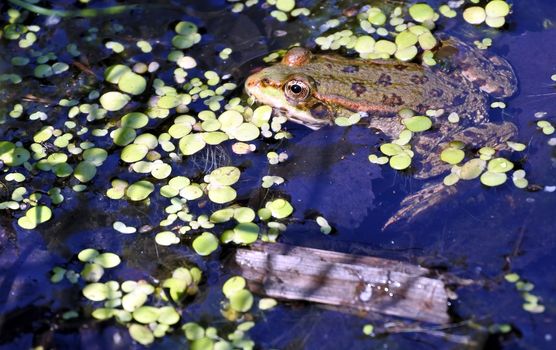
(361,284)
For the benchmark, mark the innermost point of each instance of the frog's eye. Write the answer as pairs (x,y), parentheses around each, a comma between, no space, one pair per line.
(297,90)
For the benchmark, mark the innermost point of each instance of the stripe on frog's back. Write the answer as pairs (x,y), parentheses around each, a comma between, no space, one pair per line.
(358,106)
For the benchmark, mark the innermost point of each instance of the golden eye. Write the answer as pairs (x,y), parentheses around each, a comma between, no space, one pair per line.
(297,90)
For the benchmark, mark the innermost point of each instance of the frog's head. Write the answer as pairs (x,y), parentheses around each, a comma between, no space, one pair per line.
(288,88)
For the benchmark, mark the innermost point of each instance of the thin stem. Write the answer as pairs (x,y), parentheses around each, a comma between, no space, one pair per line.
(112,10)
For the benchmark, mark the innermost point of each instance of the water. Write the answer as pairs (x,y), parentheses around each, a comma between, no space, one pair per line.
(479,234)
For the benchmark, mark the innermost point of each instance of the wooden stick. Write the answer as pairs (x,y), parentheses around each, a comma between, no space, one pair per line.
(359,284)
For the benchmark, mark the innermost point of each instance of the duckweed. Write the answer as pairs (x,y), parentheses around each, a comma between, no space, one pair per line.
(166,238)
(417,123)
(205,244)
(493,179)
(497,8)
(546,127)
(373,158)
(493,14)
(324,226)
(132,83)
(279,208)
(452,155)
(400,161)
(421,12)
(35,216)
(500,165)
(96,291)
(114,100)
(123,228)
(241,301)
(472,169)
(233,285)
(267,303)
(368,329)
(139,190)
(245,233)
(519,180)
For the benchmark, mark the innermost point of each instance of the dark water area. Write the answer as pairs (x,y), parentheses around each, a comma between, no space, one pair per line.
(479,233)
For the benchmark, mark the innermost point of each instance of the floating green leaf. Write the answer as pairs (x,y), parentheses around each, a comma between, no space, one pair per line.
(500,165)
(221,194)
(421,12)
(134,120)
(113,73)
(107,260)
(133,153)
(123,136)
(225,176)
(114,100)
(267,303)
(205,244)
(391,149)
(35,216)
(452,155)
(85,171)
(246,233)
(96,291)
(280,208)
(191,144)
(492,179)
(400,161)
(417,123)
(145,314)
(139,190)
(141,334)
(241,300)
(132,83)
(166,238)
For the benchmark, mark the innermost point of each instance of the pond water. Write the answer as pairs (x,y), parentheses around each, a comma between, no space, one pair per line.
(482,234)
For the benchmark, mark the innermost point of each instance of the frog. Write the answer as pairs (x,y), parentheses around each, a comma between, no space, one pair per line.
(315,89)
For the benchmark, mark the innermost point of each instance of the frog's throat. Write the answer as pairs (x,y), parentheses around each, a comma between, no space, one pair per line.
(302,118)
(357,106)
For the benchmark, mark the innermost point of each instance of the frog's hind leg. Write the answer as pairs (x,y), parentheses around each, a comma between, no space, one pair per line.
(491,73)
(488,134)
(475,137)
(417,203)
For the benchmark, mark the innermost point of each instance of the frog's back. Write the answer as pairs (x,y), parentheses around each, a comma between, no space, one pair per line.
(391,84)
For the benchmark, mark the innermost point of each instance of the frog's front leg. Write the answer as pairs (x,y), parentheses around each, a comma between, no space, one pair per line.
(489,134)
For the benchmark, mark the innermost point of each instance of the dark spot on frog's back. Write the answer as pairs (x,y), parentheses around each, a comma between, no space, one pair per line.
(358,88)
(459,100)
(392,101)
(350,69)
(384,80)
(437,93)
(400,67)
(419,79)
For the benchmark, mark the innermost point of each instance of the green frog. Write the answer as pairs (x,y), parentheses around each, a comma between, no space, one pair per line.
(314,89)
